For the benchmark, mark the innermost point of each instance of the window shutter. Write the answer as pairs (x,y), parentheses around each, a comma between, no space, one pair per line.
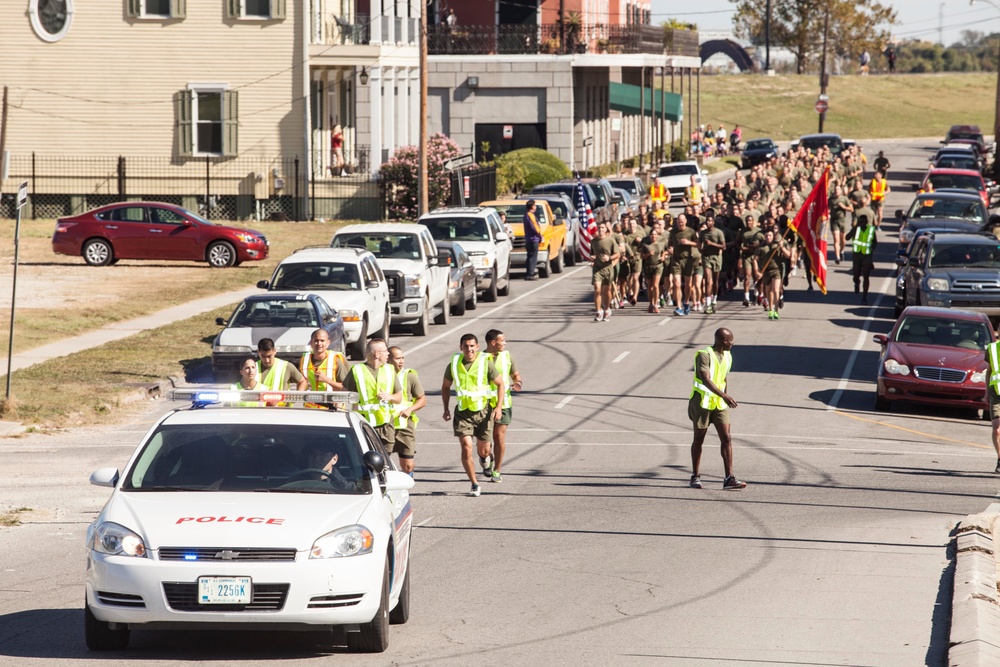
(230,123)
(277,9)
(178,9)
(232,9)
(132,9)
(184,124)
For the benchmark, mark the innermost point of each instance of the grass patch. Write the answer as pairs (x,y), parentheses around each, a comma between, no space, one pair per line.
(12,518)
(728,162)
(95,384)
(60,296)
(912,105)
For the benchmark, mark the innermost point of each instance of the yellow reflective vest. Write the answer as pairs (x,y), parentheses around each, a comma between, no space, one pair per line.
(503,363)
(272,379)
(719,370)
(406,402)
(327,367)
(863,240)
(993,357)
(658,192)
(877,189)
(472,386)
(369,386)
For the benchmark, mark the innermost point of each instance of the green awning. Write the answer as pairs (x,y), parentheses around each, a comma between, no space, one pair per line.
(626,98)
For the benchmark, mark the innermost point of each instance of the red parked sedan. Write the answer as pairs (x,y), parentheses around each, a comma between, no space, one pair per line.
(961,179)
(935,356)
(153,230)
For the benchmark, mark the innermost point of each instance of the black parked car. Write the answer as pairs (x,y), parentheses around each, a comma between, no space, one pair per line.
(956,211)
(953,270)
(756,151)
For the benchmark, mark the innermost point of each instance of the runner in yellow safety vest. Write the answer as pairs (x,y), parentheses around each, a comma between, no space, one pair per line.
(322,369)
(276,374)
(993,395)
(377,387)
(248,381)
(878,189)
(471,373)
(496,347)
(658,192)
(405,444)
(692,193)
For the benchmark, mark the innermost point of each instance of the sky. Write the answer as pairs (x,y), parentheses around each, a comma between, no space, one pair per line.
(916,19)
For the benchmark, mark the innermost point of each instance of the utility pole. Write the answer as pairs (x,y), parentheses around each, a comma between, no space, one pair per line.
(3,139)
(822,68)
(423,201)
(663,112)
(767,37)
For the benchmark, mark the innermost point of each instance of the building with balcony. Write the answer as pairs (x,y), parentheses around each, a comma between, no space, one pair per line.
(511,75)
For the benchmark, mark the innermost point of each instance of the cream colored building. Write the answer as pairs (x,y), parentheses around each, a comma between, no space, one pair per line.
(244,86)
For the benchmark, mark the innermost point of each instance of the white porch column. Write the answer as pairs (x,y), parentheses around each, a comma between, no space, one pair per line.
(403,109)
(413,115)
(389,110)
(375,103)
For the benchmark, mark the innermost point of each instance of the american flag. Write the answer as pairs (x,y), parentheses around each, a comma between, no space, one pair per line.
(588,226)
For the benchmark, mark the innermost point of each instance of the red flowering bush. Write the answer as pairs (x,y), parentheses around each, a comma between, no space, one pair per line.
(399,177)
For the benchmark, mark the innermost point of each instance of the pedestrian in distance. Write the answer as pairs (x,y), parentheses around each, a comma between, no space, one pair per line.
(471,372)
(878,189)
(413,399)
(532,237)
(603,253)
(378,390)
(496,347)
(713,244)
(710,403)
(882,164)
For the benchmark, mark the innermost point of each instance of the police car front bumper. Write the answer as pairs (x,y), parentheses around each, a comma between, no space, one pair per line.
(144,591)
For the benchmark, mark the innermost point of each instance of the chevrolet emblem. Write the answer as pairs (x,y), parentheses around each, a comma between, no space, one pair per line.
(227,554)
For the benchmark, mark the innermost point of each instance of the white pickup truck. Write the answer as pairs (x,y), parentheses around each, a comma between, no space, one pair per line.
(417,276)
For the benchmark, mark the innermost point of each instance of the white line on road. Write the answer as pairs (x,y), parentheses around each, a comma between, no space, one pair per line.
(425,522)
(664,321)
(561,404)
(465,323)
(620,357)
(862,335)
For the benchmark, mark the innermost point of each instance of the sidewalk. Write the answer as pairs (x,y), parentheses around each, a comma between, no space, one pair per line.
(113,332)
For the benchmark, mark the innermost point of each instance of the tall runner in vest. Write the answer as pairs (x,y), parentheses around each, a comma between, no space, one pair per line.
(993,395)
(878,189)
(496,347)
(378,387)
(322,369)
(472,371)
(276,374)
(863,251)
(658,192)
(692,193)
(709,405)
(405,444)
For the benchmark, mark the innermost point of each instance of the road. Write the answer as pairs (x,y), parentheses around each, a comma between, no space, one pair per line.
(594,550)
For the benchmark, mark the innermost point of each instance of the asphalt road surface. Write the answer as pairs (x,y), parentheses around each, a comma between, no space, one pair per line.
(594,550)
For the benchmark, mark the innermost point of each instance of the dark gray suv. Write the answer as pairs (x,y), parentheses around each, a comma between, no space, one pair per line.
(952,270)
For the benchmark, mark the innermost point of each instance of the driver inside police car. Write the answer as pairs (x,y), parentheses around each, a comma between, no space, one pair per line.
(321,460)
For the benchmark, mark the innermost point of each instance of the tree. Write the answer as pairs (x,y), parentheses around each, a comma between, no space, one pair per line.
(399,176)
(798,25)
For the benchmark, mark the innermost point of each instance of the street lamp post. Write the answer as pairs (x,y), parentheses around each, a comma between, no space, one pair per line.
(996,111)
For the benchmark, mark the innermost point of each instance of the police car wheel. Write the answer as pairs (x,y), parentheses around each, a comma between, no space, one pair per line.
(400,614)
(99,634)
(374,635)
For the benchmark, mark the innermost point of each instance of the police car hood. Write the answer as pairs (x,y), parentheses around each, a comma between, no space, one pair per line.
(249,336)
(219,519)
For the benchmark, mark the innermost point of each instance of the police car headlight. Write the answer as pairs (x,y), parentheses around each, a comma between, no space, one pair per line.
(232,349)
(893,367)
(979,377)
(116,540)
(413,284)
(350,541)
(938,284)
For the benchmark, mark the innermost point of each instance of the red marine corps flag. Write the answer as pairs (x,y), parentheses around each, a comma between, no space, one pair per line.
(810,224)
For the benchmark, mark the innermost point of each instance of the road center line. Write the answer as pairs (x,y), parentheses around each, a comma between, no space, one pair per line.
(425,522)
(862,335)
(664,321)
(562,403)
(910,430)
(490,313)
(620,357)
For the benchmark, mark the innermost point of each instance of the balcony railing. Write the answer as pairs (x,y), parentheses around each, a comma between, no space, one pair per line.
(533,39)
(341,31)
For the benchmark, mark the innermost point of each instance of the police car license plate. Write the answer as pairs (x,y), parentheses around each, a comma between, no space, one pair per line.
(224,590)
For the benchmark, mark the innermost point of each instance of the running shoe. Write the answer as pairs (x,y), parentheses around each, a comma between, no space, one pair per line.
(496,478)
(763,302)
(632,300)
(486,464)
(687,308)
(679,311)
(663,302)
(696,481)
(837,260)
(656,309)
(746,301)
(733,484)
(759,298)
(781,301)
(776,315)
(474,491)
(997,471)
(770,314)
(599,317)
(607,315)
(810,289)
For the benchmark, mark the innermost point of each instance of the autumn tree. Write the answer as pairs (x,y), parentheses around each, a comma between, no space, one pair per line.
(855,26)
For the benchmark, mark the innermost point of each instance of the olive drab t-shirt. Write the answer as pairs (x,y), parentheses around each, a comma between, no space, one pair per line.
(607,246)
(683,251)
(715,235)
(654,250)
(838,214)
(747,238)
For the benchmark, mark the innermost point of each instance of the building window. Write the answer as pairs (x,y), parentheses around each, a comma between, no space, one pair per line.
(51,19)
(256,9)
(207,121)
(156,9)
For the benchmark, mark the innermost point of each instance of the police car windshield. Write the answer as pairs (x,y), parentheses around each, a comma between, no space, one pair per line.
(250,458)
(457,229)
(383,246)
(316,276)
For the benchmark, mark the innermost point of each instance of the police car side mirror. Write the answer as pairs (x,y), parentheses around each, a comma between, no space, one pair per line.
(105,477)
(374,462)
(263,284)
(396,480)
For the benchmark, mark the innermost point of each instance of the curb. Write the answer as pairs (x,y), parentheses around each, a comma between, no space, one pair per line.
(975,611)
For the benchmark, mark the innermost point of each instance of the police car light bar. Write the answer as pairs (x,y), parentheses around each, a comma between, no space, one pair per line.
(214,396)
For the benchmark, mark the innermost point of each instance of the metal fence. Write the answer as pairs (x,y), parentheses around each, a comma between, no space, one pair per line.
(555,39)
(482,186)
(217,188)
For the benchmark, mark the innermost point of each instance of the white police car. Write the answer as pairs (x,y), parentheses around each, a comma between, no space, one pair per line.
(250,517)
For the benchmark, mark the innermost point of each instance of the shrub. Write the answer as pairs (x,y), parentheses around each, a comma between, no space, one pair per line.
(525,168)
(399,177)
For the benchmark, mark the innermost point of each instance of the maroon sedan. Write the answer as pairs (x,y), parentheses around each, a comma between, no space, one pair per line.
(935,356)
(153,230)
